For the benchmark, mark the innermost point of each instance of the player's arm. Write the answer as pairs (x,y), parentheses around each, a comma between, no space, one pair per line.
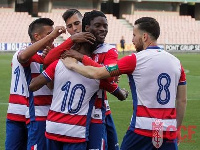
(126,65)
(56,52)
(38,82)
(87,71)
(114,89)
(44,78)
(181,99)
(26,54)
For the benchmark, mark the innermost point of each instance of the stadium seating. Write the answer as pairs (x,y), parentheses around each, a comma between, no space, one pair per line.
(14,27)
(175,29)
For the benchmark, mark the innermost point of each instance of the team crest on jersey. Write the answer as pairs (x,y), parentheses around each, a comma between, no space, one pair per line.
(157,131)
(96,58)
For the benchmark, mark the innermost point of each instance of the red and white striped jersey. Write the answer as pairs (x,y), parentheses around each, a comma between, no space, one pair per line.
(154,76)
(105,54)
(18,92)
(40,100)
(73,99)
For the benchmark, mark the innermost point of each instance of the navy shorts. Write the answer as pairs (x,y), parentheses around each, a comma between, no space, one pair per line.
(16,135)
(36,135)
(97,137)
(56,145)
(133,141)
(112,140)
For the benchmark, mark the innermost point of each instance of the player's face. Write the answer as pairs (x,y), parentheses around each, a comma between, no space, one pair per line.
(46,30)
(137,39)
(99,27)
(74,24)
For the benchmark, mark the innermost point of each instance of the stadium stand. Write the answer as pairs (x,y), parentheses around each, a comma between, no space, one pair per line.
(175,29)
(14,27)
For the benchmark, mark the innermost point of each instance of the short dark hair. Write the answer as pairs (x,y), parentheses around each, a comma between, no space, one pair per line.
(38,24)
(89,16)
(149,25)
(69,13)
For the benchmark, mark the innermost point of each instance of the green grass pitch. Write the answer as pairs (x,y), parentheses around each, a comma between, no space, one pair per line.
(122,111)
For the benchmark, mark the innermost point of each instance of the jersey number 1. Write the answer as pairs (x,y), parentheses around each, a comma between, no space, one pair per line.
(17,73)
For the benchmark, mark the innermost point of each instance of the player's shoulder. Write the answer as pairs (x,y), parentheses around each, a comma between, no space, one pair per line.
(104,48)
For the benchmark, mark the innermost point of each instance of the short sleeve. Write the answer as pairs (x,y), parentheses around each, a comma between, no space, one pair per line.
(49,72)
(127,64)
(182,80)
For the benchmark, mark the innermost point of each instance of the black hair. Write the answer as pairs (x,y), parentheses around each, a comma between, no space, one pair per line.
(37,25)
(149,25)
(69,13)
(89,16)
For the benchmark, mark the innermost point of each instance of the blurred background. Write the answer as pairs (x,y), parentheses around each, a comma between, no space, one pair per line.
(179,20)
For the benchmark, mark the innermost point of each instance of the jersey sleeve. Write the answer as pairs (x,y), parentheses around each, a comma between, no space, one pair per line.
(111,57)
(182,80)
(49,72)
(55,53)
(35,58)
(127,64)
(87,61)
(106,85)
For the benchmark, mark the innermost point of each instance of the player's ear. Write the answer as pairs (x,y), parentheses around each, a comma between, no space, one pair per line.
(36,36)
(87,28)
(145,36)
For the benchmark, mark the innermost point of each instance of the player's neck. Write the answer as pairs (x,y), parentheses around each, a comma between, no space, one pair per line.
(151,43)
(85,49)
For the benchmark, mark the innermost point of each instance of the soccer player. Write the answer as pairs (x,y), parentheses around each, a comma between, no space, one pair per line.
(16,120)
(73,98)
(73,20)
(104,54)
(158,86)
(42,35)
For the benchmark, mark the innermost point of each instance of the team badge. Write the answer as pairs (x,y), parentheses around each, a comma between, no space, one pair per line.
(157,131)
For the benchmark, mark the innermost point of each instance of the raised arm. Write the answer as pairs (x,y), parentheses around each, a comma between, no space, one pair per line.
(56,52)
(26,54)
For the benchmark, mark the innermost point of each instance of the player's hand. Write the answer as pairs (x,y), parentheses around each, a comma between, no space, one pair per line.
(46,51)
(69,62)
(116,79)
(121,94)
(72,53)
(83,37)
(58,30)
(124,94)
(178,136)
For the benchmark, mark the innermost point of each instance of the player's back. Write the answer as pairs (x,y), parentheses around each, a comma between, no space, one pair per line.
(70,111)
(157,71)
(154,85)
(18,92)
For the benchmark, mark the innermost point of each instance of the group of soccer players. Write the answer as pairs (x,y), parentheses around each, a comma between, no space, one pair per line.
(81,112)
(51,106)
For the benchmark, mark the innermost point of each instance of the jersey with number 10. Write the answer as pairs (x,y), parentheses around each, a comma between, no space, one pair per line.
(154,76)
(18,92)
(73,99)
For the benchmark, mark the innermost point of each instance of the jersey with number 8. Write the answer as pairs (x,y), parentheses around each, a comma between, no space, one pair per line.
(154,76)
